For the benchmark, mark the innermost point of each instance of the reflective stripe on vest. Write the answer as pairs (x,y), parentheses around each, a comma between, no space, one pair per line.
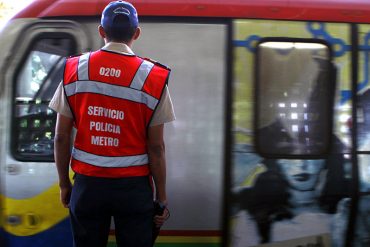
(84,85)
(111,90)
(106,161)
(83,67)
(141,75)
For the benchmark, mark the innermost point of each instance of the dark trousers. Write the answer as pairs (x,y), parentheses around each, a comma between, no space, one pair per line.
(95,200)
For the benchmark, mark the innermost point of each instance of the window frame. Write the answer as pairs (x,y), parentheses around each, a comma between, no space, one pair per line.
(14,140)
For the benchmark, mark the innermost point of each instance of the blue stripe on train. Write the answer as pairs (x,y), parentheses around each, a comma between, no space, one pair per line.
(2,237)
(59,235)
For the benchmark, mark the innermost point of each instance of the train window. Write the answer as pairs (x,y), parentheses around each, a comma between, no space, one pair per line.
(294,98)
(364,170)
(36,82)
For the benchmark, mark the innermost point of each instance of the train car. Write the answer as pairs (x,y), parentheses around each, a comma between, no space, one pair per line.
(271,142)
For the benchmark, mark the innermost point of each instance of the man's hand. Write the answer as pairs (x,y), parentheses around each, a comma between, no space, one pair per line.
(160,219)
(65,194)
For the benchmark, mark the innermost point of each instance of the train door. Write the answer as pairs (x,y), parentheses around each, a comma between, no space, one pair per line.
(31,212)
(290,202)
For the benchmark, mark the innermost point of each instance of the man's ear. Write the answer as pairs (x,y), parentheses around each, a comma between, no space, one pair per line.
(137,33)
(102,32)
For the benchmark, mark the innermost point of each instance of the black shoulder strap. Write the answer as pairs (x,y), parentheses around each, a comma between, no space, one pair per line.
(157,63)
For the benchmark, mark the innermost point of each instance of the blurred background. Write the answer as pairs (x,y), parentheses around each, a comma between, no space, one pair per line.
(8,8)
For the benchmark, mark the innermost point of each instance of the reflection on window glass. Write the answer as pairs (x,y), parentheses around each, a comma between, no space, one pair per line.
(294,82)
(364,169)
(34,72)
(363,120)
(36,83)
(363,90)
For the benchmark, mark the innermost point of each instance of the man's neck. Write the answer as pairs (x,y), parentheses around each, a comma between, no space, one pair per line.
(118,47)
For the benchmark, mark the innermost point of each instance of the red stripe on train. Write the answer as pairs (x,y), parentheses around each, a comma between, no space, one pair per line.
(186,233)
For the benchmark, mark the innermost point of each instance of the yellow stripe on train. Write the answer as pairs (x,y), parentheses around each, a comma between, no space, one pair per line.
(29,216)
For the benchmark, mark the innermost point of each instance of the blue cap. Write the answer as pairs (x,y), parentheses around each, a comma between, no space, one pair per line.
(119,8)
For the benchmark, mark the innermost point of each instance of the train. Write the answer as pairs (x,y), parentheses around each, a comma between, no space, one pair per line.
(270,146)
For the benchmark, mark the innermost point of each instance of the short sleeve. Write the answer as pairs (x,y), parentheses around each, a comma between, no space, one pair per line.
(59,102)
(164,112)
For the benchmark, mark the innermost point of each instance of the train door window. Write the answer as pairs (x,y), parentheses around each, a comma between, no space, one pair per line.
(294,97)
(35,83)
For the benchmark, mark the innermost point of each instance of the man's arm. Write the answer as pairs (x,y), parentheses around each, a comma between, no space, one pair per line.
(62,155)
(157,161)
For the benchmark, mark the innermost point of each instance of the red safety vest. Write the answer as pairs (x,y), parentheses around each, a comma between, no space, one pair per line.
(112,97)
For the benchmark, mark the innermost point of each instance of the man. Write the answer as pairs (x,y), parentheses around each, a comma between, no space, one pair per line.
(118,103)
